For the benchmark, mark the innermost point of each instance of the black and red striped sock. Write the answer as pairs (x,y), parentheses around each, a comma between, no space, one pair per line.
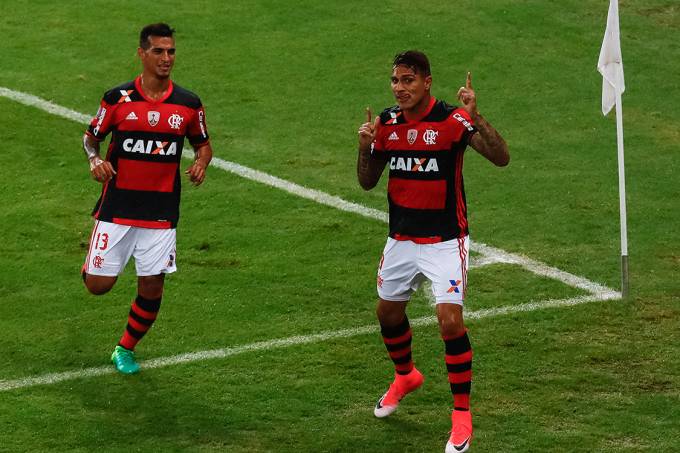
(459,366)
(397,340)
(143,313)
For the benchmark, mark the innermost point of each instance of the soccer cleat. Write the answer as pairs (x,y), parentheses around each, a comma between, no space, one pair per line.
(461,432)
(403,385)
(124,360)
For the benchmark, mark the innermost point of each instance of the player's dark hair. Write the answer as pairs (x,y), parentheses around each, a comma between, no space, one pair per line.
(415,60)
(159,29)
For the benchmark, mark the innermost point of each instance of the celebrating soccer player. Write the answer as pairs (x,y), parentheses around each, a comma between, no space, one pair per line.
(138,209)
(423,140)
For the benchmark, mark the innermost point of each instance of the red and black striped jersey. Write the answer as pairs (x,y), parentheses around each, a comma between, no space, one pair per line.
(425,190)
(145,150)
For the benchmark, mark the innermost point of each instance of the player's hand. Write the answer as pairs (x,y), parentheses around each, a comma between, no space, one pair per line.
(101,170)
(367,131)
(196,172)
(466,95)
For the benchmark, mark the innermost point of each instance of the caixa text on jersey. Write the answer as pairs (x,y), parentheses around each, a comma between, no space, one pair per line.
(168,148)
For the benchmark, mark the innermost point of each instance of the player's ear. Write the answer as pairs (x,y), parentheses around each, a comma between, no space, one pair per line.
(140,52)
(428,82)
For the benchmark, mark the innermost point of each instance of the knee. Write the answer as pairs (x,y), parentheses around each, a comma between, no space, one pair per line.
(451,327)
(97,286)
(390,313)
(151,287)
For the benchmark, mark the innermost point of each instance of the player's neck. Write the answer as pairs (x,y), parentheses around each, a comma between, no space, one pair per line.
(418,111)
(154,87)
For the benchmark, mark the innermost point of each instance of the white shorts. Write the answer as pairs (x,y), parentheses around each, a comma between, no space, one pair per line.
(112,245)
(405,264)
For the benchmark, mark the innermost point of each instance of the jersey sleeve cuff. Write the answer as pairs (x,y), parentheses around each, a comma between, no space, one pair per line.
(97,139)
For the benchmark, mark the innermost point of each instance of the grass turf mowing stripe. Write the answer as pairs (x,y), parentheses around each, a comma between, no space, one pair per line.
(491,253)
(55,378)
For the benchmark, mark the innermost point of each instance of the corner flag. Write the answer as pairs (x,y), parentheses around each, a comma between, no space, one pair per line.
(610,65)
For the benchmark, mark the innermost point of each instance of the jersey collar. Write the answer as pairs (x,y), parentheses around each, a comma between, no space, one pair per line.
(138,86)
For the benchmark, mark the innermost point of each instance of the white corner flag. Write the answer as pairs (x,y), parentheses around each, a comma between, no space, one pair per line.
(610,65)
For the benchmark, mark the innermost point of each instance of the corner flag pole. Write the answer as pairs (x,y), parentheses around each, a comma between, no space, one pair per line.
(610,65)
(622,199)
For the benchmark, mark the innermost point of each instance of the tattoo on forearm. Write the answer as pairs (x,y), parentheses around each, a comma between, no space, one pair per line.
(369,170)
(494,147)
(488,133)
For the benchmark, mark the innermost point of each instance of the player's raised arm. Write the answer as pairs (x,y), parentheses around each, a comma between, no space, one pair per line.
(100,169)
(488,142)
(369,169)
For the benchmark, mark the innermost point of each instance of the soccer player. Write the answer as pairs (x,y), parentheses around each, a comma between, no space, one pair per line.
(138,209)
(423,140)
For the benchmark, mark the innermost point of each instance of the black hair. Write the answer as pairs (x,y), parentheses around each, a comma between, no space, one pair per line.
(159,29)
(415,60)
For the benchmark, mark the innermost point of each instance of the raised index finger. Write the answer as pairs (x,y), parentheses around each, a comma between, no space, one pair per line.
(468,81)
(368,114)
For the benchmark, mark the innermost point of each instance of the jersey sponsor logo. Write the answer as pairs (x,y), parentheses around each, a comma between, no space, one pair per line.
(153,117)
(393,136)
(131,116)
(454,286)
(414,164)
(125,96)
(100,119)
(175,121)
(462,120)
(430,137)
(150,147)
(411,136)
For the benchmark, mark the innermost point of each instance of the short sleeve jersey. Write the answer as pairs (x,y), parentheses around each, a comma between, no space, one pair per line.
(147,138)
(425,191)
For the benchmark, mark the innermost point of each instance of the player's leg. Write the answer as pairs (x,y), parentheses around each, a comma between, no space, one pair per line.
(107,255)
(397,279)
(446,265)
(144,310)
(458,358)
(97,284)
(154,257)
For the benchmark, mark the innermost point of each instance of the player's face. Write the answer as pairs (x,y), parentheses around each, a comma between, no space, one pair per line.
(159,58)
(409,88)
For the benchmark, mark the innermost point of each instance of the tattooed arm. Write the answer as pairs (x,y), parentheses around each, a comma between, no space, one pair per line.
(487,142)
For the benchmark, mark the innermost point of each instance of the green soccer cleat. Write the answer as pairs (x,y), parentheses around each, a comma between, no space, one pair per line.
(124,360)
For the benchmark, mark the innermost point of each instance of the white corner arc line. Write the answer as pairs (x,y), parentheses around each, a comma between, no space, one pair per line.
(55,378)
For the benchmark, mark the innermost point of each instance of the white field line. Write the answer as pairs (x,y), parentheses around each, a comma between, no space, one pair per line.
(491,253)
(54,378)
(43,104)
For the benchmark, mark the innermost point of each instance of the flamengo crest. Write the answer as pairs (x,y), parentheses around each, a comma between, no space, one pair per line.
(153,118)
(411,136)
(175,121)
(430,137)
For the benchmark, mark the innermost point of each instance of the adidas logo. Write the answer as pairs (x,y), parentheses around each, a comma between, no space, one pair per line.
(393,136)
(131,116)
